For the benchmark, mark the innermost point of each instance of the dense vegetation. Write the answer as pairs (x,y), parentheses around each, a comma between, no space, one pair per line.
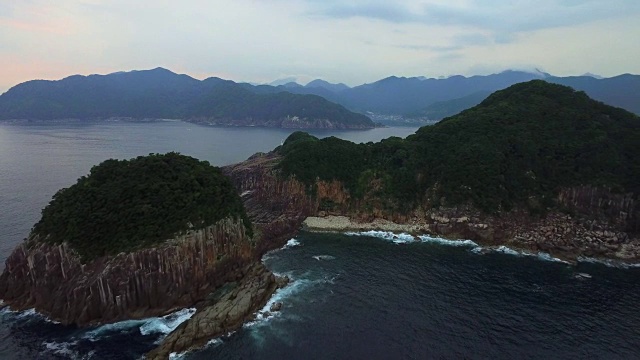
(123,205)
(516,148)
(159,94)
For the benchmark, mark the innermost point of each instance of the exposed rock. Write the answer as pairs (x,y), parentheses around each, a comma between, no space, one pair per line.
(600,215)
(148,282)
(276,306)
(223,316)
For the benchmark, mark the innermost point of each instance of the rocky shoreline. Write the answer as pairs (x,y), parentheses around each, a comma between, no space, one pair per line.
(543,239)
(333,223)
(226,310)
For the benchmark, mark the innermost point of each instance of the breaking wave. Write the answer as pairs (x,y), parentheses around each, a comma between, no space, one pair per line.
(166,324)
(65,349)
(438,240)
(401,238)
(513,252)
(609,263)
(156,325)
(291,243)
(324,257)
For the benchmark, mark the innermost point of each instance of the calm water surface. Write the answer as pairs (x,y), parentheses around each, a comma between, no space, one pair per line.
(352,297)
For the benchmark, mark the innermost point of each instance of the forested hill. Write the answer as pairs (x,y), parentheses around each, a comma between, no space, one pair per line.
(125,205)
(160,93)
(516,148)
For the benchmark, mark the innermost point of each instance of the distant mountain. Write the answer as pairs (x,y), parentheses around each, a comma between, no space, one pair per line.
(283,81)
(593,75)
(318,83)
(401,95)
(442,109)
(160,93)
(621,91)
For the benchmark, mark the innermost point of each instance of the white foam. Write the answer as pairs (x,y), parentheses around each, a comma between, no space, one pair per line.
(155,325)
(401,238)
(264,315)
(324,257)
(29,312)
(111,328)
(65,350)
(211,343)
(176,356)
(291,243)
(547,257)
(509,251)
(513,252)
(437,240)
(609,263)
(168,323)
(214,342)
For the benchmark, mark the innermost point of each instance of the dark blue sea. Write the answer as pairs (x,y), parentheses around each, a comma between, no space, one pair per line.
(352,296)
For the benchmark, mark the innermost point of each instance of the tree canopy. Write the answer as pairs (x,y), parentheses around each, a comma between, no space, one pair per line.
(517,147)
(123,205)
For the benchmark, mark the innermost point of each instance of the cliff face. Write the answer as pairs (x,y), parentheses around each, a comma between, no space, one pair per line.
(602,223)
(144,283)
(275,206)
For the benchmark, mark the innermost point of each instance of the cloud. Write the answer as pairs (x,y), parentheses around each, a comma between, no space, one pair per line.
(386,12)
(352,41)
(510,17)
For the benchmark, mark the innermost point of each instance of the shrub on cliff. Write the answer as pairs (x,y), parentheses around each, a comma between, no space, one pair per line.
(518,147)
(123,205)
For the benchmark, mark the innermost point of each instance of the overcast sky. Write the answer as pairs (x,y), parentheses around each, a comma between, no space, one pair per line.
(340,41)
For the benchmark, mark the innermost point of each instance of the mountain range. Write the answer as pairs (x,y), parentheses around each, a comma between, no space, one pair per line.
(438,98)
(160,93)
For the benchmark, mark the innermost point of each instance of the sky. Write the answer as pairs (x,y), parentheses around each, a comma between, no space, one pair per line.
(353,42)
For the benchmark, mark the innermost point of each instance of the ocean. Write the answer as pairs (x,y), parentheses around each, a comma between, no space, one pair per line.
(352,296)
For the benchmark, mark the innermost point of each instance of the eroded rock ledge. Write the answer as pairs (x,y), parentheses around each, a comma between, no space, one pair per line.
(234,307)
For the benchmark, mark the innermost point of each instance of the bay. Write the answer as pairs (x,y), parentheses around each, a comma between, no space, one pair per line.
(352,297)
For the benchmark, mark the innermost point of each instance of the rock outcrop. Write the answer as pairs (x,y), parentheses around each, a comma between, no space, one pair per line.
(602,224)
(144,283)
(275,206)
(226,314)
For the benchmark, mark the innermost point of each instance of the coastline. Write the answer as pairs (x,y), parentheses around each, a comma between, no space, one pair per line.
(345,224)
(226,310)
(334,223)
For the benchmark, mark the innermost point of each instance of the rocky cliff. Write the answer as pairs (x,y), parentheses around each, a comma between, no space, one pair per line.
(276,206)
(588,221)
(148,282)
